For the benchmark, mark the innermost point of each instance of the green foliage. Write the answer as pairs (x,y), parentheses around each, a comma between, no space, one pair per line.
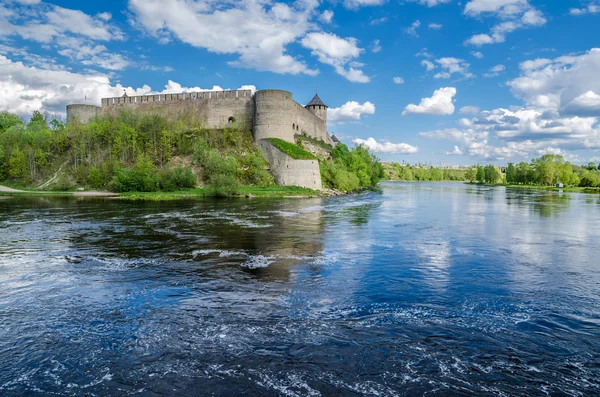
(398,172)
(17,166)
(8,120)
(62,184)
(480,176)
(318,142)
(351,169)
(511,173)
(292,150)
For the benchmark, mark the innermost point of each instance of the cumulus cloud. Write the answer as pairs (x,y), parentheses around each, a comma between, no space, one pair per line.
(561,112)
(398,80)
(428,65)
(477,54)
(451,66)
(73,33)
(257,32)
(386,147)
(455,152)
(435,26)
(440,104)
(512,15)
(337,52)
(495,71)
(51,90)
(350,111)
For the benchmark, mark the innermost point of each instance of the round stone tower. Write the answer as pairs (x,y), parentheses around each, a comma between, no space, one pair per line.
(82,113)
(273,115)
(319,108)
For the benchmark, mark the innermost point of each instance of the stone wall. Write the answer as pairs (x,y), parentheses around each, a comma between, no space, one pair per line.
(277,115)
(291,172)
(82,113)
(216,109)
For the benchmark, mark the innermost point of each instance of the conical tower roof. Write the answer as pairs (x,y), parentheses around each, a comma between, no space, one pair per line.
(316,101)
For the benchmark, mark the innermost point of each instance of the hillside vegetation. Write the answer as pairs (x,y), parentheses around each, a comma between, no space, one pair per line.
(149,153)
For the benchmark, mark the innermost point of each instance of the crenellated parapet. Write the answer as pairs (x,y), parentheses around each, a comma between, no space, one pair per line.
(184,96)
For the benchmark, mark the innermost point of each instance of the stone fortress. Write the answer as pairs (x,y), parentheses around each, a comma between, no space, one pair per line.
(267,113)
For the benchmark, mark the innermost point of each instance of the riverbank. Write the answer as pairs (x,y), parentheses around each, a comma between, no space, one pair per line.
(183,194)
(571,189)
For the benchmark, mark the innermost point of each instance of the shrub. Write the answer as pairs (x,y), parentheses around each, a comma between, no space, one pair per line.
(62,184)
(172,179)
(223,185)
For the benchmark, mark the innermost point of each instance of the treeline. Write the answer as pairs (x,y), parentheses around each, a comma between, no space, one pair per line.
(550,170)
(149,152)
(398,172)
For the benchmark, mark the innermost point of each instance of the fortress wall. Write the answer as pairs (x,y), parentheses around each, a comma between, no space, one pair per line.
(274,115)
(82,113)
(215,109)
(277,115)
(307,122)
(290,172)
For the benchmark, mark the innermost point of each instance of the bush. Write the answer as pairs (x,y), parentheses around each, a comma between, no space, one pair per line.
(223,185)
(172,179)
(63,184)
(257,173)
(334,175)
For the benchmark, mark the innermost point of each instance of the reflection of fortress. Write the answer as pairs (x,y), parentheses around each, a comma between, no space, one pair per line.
(267,113)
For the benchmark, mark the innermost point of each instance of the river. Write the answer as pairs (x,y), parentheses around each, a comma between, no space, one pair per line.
(424,288)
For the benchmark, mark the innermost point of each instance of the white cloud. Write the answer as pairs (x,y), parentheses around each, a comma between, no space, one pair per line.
(435,26)
(469,110)
(428,65)
(495,71)
(337,52)
(561,113)
(354,4)
(256,31)
(430,3)
(375,46)
(72,33)
(513,15)
(590,9)
(326,16)
(386,147)
(48,90)
(455,152)
(477,54)
(398,80)
(441,103)
(350,111)
(451,66)
(412,30)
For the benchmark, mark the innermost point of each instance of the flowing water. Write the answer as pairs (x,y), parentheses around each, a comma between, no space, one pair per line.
(424,289)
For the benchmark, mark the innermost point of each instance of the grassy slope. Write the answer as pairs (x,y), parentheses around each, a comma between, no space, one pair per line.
(292,150)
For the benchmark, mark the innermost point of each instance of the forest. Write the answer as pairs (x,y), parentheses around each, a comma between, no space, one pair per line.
(148,153)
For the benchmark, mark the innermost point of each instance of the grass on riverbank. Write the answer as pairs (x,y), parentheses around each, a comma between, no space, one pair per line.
(244,191)
(183,194)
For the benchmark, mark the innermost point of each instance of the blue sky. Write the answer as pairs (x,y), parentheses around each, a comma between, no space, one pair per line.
(440,81)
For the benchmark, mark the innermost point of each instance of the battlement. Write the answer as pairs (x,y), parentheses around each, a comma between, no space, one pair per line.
(184,96)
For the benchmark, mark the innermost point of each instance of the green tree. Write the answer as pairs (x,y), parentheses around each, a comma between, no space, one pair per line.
(8,120)
(480,174)
(511,174)
(18,166)
(471,174)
